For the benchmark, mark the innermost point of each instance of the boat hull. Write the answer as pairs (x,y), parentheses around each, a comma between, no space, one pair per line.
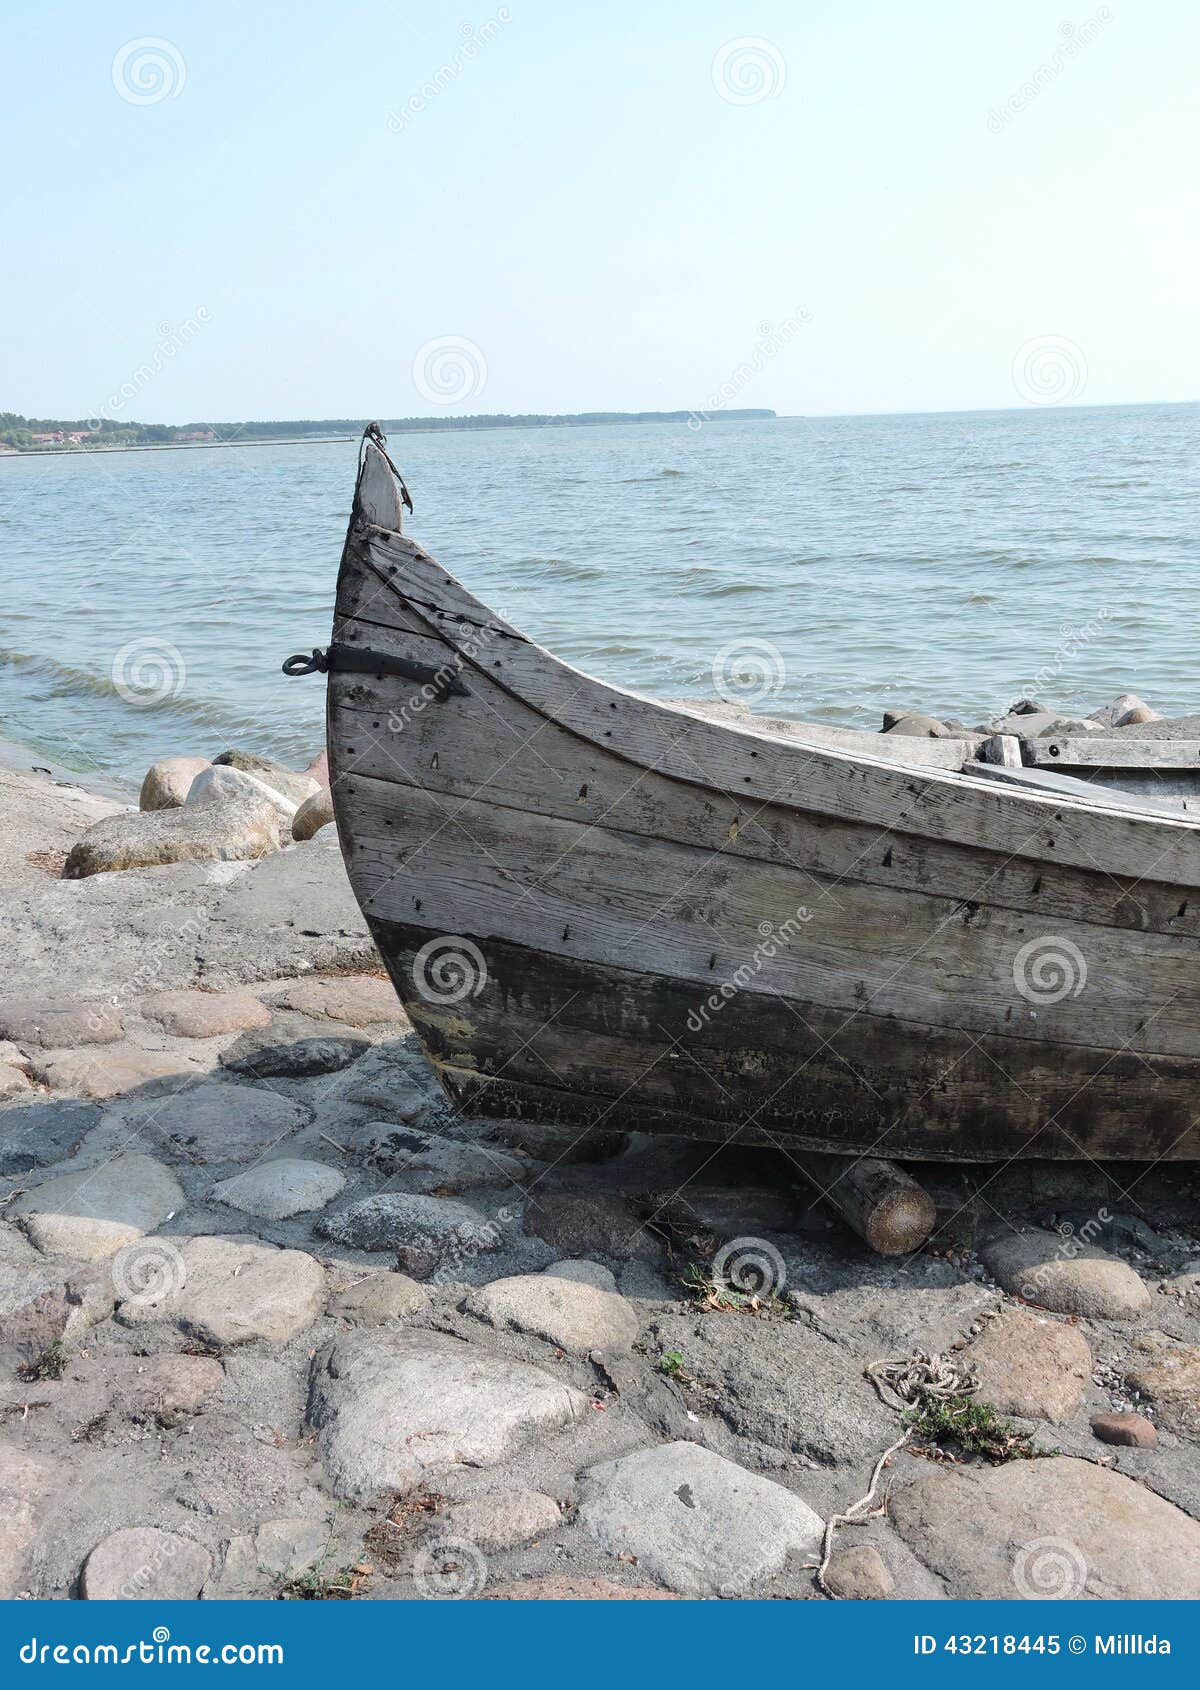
(550,1039)
(601,909)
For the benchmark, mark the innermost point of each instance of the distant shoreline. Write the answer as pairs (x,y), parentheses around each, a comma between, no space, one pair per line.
(397,425)
(174,446)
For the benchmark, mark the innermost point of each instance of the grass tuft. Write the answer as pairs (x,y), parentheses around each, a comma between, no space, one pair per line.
(971,1428)
(708,1292)
(341,1585)
(51,1364)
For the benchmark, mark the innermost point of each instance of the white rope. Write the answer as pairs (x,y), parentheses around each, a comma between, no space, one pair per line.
(854,1515)
(919,1379)
(922,1378)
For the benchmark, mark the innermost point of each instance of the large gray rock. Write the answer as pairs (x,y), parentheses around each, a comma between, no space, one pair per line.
(1046,1528)
(42,1131)
(224,1292)
(1064,1275)
(233,830)
(55,1023)
(1070,727)
(276,1190)
(142,1563)
(389,1080)
(583,1272)
(398,1407)
(269,1054)
(169,781)
(224,786)
(1032,724)
(574,1316)
(25,1483)
(288,914)
(95,1212)
(1167,1374)
(497,1520)
(204,1015)
(379,1299)
(427,1233)
(315,812)
(700,1524)
(913,725)
(929,1307)
(427,1162)
(781,1384)
(291,913)
(218,1120)
(357,1000)
(292,784)
(1030,1365)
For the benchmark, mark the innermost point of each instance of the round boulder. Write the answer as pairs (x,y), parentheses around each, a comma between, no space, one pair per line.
(141,1563)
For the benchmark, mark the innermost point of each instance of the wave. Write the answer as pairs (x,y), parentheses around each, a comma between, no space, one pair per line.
(68,680)
(562,569)
(734,589)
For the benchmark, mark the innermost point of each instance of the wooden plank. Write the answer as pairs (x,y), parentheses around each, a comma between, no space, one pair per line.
(729,757)
(377,496)
(1153,801)
(471,867)
(903,749)
(1113,753)
(559,1038)
(494,745)
(1001,750)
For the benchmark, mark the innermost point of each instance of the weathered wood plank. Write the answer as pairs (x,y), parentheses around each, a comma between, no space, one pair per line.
(366,609)
(558,1038)
(1107,752)
(497,746)
(1153,794)
(471,867)
(1003,751)
(377,496)
(730,757)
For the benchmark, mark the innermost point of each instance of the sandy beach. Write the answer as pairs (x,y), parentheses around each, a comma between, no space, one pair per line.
(276,1319)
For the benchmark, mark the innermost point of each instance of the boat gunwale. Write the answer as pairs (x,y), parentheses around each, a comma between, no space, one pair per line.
(829,755)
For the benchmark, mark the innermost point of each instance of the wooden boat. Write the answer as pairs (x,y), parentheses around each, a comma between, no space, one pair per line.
(602,908)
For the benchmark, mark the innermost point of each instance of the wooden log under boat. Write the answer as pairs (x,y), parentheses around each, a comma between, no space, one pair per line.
(603,908)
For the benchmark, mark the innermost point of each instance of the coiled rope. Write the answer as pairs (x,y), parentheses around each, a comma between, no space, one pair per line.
(911,1383)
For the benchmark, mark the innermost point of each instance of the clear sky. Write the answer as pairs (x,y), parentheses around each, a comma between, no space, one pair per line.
(279,210)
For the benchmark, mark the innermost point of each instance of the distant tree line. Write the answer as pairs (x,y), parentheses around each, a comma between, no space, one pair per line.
(41,434)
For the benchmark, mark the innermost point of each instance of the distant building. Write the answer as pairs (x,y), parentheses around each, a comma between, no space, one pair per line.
(197,434)
(55,439)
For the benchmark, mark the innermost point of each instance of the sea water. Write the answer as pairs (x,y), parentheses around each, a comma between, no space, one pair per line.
(826,568)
